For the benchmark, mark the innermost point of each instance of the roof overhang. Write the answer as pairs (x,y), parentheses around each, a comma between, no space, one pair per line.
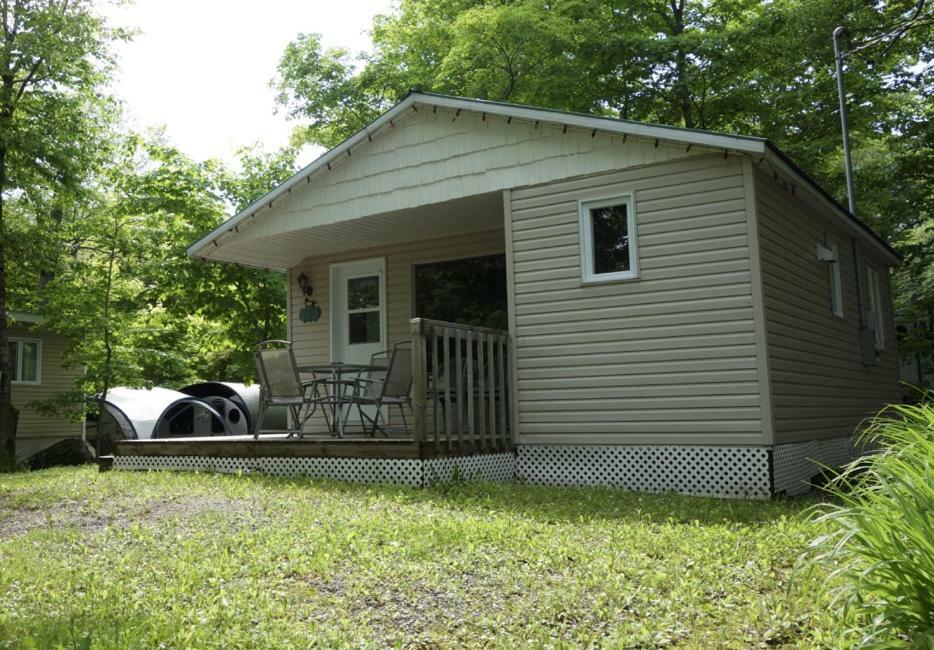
(758,148)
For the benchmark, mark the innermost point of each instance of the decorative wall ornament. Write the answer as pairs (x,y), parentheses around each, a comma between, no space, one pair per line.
(311,312)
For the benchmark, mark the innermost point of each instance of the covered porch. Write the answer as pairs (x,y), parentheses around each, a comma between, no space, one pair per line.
(461,425)
(437,283)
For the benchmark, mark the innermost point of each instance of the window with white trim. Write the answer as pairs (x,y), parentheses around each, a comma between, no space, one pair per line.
(876,318)
(608,239)
(25,361)
(836,280)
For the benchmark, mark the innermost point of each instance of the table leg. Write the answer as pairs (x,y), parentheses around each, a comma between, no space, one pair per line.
(335,402)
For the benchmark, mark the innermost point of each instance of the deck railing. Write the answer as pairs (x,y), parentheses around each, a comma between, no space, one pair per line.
(461,387)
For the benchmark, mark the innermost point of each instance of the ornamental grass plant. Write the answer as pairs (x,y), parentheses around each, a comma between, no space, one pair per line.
(879,539)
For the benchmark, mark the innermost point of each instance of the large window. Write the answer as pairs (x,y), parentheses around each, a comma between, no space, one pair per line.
(469,291)
(608,240)
(25,361)
(876,315)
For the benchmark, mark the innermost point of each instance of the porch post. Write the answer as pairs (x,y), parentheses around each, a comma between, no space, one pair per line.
(419,382)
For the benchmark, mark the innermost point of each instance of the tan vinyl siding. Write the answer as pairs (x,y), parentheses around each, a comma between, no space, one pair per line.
(667,358)
(820,388)
(429,158)
(312,340)
(54,380)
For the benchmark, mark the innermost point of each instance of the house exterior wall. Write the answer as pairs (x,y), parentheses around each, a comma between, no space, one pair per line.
(54,380)
(312,341)
(820,388)
(669,358)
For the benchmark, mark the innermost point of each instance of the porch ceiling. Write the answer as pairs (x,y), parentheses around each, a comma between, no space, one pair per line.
(282,251)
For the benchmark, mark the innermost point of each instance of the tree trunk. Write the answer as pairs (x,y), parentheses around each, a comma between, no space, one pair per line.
(9,416)
(108,347)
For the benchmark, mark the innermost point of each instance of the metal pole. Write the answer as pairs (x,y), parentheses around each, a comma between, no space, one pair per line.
(847,162)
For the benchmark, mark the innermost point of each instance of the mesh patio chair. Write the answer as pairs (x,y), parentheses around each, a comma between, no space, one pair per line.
(388,387)
(280,385)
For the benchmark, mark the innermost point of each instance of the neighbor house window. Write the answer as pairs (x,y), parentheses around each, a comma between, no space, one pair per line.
(876,318)
(25,360)
(836,281)
(608,240)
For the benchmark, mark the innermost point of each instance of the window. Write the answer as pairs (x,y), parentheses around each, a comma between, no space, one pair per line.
(25,361)
(836,282)
(876,318)
(363,309)
(608,240)
(470,291)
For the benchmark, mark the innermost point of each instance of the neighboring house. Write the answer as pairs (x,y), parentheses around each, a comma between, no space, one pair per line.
(38,374)
(688,310)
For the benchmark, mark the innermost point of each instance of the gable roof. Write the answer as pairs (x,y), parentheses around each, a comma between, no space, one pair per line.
(749,145)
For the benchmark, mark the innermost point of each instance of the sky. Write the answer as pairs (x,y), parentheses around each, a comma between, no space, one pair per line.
(201,68)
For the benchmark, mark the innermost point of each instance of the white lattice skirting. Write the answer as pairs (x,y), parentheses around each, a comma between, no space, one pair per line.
(403,471)
(726,472)
(731,472)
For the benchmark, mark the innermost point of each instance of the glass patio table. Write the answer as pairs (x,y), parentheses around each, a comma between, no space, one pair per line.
(338,397)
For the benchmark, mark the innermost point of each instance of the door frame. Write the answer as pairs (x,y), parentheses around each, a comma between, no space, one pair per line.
(336,309)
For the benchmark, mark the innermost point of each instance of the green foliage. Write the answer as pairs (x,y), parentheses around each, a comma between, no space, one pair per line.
(54,54)
(881,539)
(138,309)
(132,560)
(319,85)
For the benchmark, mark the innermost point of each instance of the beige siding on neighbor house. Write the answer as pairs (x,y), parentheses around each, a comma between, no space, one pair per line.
(820,388)
(312,341)
(668,358)
(54,381)
(430,158)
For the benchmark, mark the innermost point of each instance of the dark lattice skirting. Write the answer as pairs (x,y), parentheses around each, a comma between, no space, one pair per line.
(28,447)
(795,464)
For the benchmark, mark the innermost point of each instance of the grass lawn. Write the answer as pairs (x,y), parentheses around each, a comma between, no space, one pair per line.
(134,560)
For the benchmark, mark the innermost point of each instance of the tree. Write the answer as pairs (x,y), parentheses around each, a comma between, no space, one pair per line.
(53,56)
(138,310)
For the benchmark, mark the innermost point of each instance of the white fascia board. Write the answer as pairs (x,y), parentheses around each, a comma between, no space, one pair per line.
(326,158)
(742,144)
(851,223)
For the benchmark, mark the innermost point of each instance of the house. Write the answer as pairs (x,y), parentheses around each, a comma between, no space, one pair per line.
(684,310)
(38,374)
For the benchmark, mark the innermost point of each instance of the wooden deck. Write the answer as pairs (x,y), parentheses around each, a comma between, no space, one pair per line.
(462,407)
(278,446)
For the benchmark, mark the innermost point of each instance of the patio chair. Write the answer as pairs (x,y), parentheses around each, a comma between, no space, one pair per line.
(385,388)
(280,385)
